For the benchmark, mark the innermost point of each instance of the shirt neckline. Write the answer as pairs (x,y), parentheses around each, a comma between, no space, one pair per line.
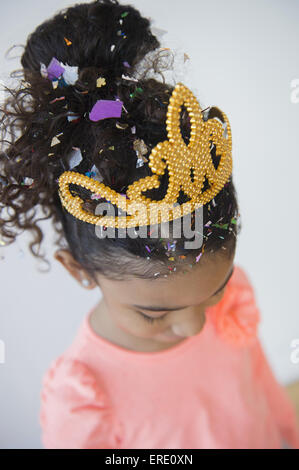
(116,350)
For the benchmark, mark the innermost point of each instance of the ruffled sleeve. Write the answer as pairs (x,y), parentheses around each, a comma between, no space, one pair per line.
(236,316)
(75,412)
(281,405)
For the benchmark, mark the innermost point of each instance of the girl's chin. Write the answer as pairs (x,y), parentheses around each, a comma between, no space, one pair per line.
(169,337)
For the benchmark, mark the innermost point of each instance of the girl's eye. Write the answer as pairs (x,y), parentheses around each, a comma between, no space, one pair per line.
(151,319)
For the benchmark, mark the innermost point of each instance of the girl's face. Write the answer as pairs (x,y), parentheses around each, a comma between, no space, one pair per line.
(168,309)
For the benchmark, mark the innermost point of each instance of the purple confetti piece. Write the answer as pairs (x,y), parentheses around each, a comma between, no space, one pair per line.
(104,109)
(126,64)
(54,69)
(147,248)
(197,257)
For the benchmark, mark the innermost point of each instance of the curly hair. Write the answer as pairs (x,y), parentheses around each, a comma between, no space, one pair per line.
(34,112)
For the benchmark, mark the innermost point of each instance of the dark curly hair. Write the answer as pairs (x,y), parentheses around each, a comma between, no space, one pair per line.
(34,112)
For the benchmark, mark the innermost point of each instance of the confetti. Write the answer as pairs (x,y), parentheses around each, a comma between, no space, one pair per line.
(126,64)
(54,69)
(125,77)
(138,90)
(148,249)
(55,141)
(68,42)
(96,174)
(96,196)
(28,181)
(225,226)
(73,117)
(198,257)
(70,75)
(123,15)
(43,70)
(111,148)
(104,109)
(139,163)
(101,82)
(140,147)
(121,125)
(112,47)
(57,99)
(90,174)
(74,158)
(158,32)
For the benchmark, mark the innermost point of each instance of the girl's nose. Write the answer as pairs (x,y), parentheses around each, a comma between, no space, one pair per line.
(191,326)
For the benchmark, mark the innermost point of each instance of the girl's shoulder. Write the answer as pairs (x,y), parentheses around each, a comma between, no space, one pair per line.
(72,397)
(237,316)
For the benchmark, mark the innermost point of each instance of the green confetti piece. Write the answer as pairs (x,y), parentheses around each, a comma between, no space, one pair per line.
(234,221)
(138,90)
(225,226)
(123,15)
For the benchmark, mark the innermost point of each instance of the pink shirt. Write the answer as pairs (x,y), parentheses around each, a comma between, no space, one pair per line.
(213,390)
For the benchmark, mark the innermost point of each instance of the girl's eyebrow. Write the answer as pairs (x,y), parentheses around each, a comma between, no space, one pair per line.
(167,309)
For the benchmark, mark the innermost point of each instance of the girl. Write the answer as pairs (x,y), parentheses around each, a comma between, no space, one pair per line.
(170,356)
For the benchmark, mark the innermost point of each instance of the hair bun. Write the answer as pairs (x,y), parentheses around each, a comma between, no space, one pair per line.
(123,37)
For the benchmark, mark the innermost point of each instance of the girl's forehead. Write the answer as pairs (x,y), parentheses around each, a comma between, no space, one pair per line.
(179,290)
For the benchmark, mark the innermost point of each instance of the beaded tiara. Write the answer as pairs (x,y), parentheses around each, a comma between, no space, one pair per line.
(181,161)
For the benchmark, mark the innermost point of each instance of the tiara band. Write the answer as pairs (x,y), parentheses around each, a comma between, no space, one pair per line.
(179,159)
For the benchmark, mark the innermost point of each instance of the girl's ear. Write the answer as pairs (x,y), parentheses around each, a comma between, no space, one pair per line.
(66,258)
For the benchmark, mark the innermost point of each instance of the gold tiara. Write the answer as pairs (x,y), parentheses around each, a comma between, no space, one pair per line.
(179,158)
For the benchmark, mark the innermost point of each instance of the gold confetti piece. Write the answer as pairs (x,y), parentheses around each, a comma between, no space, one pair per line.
(102,150)
(140,147)
(55,84)
(101,82)
(112,147)
(68,42)
(51,154)
(121,125)
(171,259)
(186,57)
(55,141)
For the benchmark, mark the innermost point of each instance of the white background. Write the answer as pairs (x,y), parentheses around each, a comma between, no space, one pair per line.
(244,55)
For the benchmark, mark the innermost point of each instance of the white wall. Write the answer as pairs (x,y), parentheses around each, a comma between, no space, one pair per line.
(244,55)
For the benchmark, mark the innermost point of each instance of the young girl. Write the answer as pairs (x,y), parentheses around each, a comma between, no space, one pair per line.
(170,356)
